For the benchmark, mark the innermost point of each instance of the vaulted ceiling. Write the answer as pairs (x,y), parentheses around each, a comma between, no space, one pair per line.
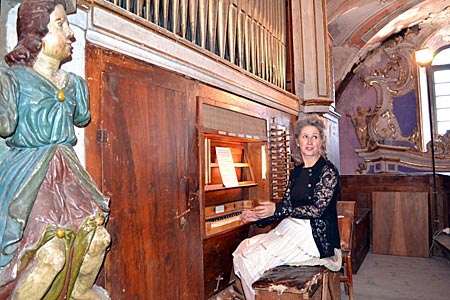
(358,26)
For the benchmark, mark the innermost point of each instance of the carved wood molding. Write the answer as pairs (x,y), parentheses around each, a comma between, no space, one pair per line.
(390,159)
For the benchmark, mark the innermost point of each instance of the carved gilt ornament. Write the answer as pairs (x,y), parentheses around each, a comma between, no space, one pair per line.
(384,147)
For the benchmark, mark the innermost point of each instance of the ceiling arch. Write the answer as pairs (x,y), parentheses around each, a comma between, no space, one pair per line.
(358,26)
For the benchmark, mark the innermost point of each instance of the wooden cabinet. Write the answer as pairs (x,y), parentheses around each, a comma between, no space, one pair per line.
(400,223)
(404,213)
(217,258)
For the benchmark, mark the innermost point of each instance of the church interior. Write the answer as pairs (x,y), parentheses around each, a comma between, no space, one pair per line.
(171,82)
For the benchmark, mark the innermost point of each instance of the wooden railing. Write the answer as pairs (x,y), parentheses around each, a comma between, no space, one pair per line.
(250,34)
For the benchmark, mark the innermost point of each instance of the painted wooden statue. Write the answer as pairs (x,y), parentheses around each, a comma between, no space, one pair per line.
(361,123)
(52,214)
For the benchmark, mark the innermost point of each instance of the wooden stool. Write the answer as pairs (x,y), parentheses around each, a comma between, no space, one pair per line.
(289,283)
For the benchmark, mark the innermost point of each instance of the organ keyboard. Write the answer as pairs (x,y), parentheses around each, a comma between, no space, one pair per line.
(220,218)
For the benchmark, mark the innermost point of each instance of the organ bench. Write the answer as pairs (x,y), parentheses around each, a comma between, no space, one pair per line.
(295,283)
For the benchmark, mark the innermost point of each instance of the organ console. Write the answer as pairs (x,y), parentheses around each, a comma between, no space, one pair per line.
(235,177)
(245,141)
(225,203)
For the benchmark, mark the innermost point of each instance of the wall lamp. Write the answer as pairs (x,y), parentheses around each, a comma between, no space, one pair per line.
(424,57)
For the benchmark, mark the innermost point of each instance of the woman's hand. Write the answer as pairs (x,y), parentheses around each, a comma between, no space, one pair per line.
(248,216)
(265,209)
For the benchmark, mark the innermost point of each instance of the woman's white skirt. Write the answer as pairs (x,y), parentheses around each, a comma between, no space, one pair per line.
(290,243)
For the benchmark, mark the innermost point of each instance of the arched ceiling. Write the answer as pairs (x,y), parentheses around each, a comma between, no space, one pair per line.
(358,26)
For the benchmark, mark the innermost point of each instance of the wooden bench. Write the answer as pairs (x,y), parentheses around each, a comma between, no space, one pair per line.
(361,232)
(361,238)
(290,282)
(318,283)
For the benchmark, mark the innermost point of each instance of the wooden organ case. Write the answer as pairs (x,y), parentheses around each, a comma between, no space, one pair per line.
(150,158)
(244,139)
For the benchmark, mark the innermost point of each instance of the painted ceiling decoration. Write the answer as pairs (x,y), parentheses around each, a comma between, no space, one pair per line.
(359,26)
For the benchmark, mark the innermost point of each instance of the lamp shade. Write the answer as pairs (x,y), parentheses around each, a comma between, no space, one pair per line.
(424,57)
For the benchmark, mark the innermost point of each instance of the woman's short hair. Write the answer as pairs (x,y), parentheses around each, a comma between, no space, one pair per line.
(310,119)
(33,17)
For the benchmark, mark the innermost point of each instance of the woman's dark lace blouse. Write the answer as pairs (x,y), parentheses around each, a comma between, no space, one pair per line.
(312,194)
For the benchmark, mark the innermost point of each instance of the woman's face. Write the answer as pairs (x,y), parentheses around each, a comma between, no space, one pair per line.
(310,142)
(57,43)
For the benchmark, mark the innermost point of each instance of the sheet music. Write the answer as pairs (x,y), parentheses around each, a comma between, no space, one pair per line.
(226,167)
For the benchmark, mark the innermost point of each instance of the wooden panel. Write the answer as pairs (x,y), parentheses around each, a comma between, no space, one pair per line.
(400,223)
(218,259)
(313,62)
(347,208)
(150,127)
(362,187)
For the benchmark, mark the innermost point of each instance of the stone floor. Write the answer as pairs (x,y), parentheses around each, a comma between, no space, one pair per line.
(386,277)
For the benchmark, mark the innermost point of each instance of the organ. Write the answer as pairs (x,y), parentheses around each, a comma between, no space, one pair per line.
(173,236)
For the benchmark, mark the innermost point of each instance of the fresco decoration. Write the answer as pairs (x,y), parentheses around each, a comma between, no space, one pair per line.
(379,125)
(388,132)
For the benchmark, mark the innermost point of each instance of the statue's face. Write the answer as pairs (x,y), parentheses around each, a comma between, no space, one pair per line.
(57,43)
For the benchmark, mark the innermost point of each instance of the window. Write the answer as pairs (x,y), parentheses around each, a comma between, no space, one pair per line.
(440,78)
(435,81)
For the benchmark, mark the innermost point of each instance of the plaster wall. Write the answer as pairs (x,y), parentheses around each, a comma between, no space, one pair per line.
(354,95)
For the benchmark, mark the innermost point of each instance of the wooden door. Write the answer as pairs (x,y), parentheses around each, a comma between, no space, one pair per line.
(147,140)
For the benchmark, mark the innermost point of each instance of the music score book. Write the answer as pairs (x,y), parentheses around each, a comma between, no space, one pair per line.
(226,167)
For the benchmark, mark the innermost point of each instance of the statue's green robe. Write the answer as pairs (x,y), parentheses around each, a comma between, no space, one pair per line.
(36,119)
